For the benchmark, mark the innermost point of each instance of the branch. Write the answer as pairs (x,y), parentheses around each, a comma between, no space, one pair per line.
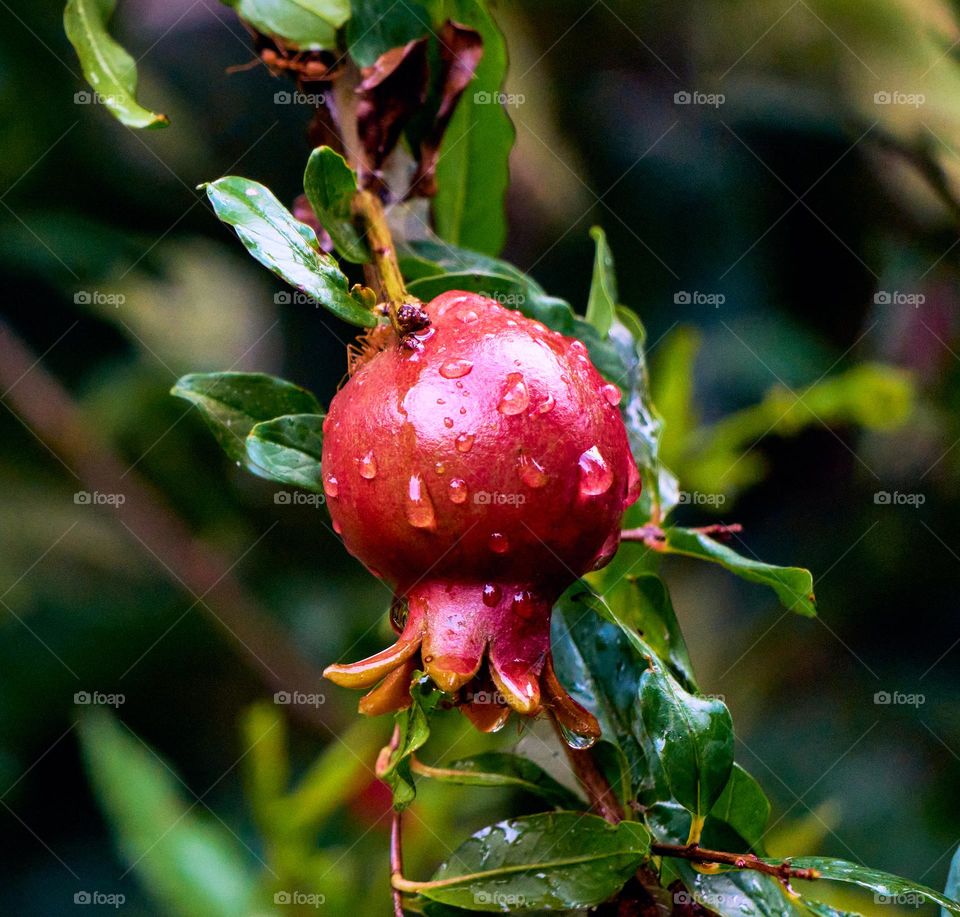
(783,871)
(396,862)
(654,537)
(602,798)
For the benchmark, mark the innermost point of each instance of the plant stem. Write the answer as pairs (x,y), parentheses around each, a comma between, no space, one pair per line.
(602,798)
(396,862)
(696,854)
(654,537)
(387,276)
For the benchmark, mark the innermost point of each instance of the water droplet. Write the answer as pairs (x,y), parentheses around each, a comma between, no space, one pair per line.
(441,401)
(578,347)
(607,552)
(491,595)
(547,404)
(440,468)
(612,393)
(575,740)
(458,490)
(531,471)
(455,369)
(595,475)
(634,484)
(326,423)
(419,507)
(368,466)
(330,486)
(463,410)
(448,422)
(511,323)
(523,605)
(251,192)
(515,397)
(498,543)
(468,316)
(465,442)
(337,527)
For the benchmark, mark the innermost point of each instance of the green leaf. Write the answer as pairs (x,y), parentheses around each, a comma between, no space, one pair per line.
(693,740)
(375,27)
(286,246)
(267,765)
(288,449)
(414,724)
(499,769)
(824,910)
(233,403)
(745,893)
(744,807)
(952,889)
(793,585)
(330,185)
(191,865)
(110,71)
(887,888)
(473,167)
(602,304)
(302,24)
(556,860)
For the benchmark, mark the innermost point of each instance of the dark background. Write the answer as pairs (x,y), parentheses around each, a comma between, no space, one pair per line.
(797,198)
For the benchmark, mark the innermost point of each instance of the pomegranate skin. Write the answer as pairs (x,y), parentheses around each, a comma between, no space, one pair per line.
(479,472)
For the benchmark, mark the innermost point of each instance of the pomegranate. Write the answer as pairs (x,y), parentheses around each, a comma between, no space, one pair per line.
(479,467)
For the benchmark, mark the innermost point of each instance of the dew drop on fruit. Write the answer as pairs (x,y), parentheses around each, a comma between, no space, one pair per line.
(634,484)
(491,595)
(578,347)
(531,471)
(465,442)
(523,605)
(458,490)
(337,527)
(368,466)
(330,486)
(595,475)
(326,423)
(419,507)
(547,404)
(575,740)
(440,468)
(515,398)
(498,543)
(455,369)
(448,422)
(468,316)
(612,394)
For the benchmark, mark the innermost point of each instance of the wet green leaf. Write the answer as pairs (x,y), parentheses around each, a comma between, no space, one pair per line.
(375,27)
(744,807)
(887,888)
(793,585)
(952,889)
(110,71)
(286,246)
(557,860)
(233,403)
(300,23)
(693,739)
(735,894)
(473,167)
(288,449)
(330,185)
(414,725)
(500,769)
(602,303)
(190,864)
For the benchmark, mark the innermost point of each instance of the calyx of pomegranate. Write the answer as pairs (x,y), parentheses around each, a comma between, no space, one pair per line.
(479,471)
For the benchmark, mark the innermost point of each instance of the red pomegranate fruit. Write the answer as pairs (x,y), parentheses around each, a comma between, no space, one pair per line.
(479,467)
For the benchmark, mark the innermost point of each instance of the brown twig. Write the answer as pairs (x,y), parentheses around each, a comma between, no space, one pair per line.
(783,871)
(653,536)
(602,798)
(46,408)
(396,862)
